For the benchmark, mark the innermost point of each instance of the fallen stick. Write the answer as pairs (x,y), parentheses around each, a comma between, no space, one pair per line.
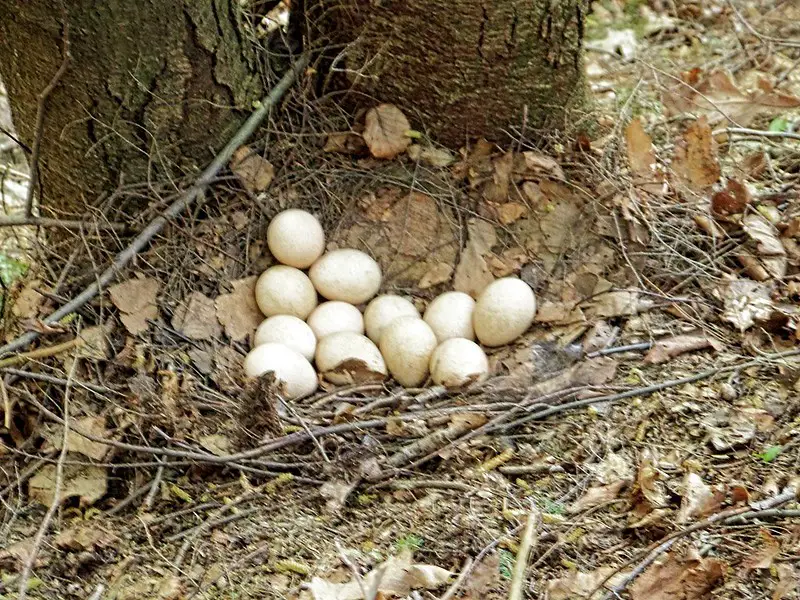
(183,201)
(521,565)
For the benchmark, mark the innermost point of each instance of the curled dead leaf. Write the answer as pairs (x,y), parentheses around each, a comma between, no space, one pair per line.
(732,200)
(667,349)
(238,312)
(253,170)
(695,161)
(639,146)
(385,131)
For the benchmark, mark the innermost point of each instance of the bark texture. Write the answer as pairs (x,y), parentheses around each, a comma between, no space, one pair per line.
(465,68)
(151,89)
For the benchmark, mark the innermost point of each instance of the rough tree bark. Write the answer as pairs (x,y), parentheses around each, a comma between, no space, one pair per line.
(149,87)
(465,67)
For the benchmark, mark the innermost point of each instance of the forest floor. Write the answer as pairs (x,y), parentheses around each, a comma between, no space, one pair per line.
(646,428)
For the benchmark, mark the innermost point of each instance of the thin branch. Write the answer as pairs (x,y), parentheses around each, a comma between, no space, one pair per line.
(51,511)
(60,224)
(521,565)
(38,129)
(183,201)
(756,132)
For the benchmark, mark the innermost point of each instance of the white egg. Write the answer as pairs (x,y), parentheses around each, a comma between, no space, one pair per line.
(295,373)
(335,316)
(504,311)
(407,344)
(295,238)
(457,363)
(383,310)
(289,331)
(347,275)
(450,316)
(347,357)
(285,290)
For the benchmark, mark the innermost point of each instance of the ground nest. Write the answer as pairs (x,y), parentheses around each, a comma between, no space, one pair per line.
(646,425)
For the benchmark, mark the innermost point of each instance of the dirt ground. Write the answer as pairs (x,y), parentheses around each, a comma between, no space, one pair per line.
(647,425)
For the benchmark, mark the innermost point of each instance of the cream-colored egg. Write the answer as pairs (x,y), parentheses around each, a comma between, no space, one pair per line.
(335,316)
(450,316)
(347,357)
(407,344)
(283,290)
(295,374)
(383,310)
(295,238)
(289,331)
(347,275)
(504,311)
(458,363)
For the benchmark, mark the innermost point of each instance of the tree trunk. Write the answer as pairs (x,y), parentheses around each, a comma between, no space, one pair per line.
(151,88)
(464,68)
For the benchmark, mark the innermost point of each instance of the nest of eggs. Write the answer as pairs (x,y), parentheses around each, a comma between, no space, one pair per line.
(355,335)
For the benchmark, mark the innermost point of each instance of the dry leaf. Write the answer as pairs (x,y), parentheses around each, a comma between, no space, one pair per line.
(745,302)
(695,161)
(81,538)
(29,300)
(238,311)
(770,249)
(641,154)
(649,493)
(616,304)
(541,164)
(732,200)
(435,157)
(787,582)
(766,555)
(253,171)
(485,577)
(345,142)
(93,425)
(385,131)
(136,300)
(95,344)
(336,494)
(497,189)
(667,349)
(473,272)
(88,483)
(595,496)
(578,585)
(196,318)
(216,443)
(559,313)
(509,212)
(438,273)
(398,576)
(698,499)
(678,579)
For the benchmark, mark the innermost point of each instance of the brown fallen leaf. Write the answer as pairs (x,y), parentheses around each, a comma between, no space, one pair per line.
(253,170)
(29,300)
(578,585)
(88,483)
(695,161)
(508,212)
(496,190)
(787,582)
(764,557)
(541,164)
(649,492)
(136,301)
(641,154)
(771,251)
(80,538)
(435,157)
(345,142)
(732,200)
(473,273)
(667,349)
(485,578)
(438,273)
(677,578)
(698,499)
(196,318)
(385,131)
(745,302)
(238,311)
(94,425)
(595,496)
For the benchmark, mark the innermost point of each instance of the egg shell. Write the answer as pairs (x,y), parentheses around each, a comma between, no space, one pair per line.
(296,238)
(335,316)
(383,310)
(289,331)
(504,311)
(458,363)
(346,357)
(295,373)
(450,316)
(347,275)
(283,290)
(407,344)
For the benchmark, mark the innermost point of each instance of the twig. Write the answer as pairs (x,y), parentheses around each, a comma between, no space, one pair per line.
(349,564)
(757,132)
(462,577)
(151,496)
(41,352)
(92,387)
(521,564)
(58,223)
(183,201)
(51,511)
(39,127)
(6,405)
